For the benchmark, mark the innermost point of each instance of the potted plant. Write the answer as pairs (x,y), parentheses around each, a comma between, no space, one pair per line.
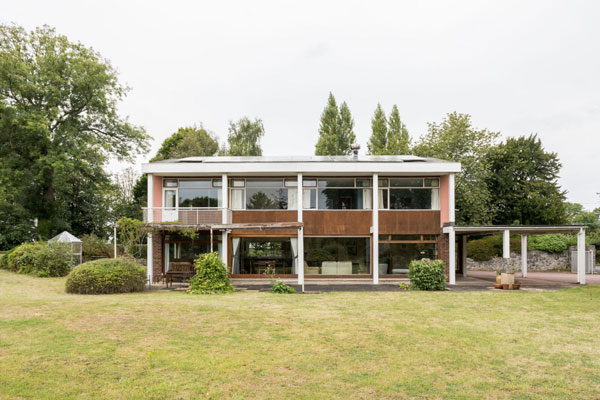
(498,276)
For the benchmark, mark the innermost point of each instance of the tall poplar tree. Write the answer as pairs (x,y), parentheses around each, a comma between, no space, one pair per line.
(336,130)
(398,138)
(378,142)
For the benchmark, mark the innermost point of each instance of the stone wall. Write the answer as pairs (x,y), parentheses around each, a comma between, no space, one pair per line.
(536,261)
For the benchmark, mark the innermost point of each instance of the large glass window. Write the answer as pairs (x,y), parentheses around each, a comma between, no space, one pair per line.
(337,255)
(263,194)
(344,194)
(259,255)
(409,194)
(197,193)
(397,251)
(183,249)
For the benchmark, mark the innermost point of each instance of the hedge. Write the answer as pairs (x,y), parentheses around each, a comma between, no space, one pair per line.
(106,276)
(427,274)
(39,259)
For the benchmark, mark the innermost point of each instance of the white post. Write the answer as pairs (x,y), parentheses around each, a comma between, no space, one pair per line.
(452,256)
(225,219)
(224,199)
(451,205)
(464,254)
(149,252)
(581,256)
(300,259)
(375,233)
(115,241)
(506,244)
(524,256)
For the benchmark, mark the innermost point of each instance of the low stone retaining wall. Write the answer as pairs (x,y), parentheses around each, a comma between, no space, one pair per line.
(536,261)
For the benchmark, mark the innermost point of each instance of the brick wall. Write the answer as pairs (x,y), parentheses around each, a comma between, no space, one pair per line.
(157,253)
(443,251)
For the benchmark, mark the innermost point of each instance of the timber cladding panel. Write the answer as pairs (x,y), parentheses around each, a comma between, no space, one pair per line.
(333,222)
(259,216)
(409,222)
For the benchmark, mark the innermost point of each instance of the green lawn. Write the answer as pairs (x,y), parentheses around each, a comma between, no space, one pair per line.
(259,345)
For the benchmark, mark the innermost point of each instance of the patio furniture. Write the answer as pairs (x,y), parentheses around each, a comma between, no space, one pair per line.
(179,269)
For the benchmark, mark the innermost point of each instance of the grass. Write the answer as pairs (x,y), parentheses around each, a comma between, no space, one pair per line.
(521,345)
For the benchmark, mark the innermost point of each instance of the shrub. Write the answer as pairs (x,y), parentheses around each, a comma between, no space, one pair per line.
(39,259)
(481,250)
(280,287)
(105,276)
(555,243)
(211,276)
(427,274)
(94,247)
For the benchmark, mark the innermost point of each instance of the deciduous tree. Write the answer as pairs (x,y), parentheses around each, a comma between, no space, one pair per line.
(244,137)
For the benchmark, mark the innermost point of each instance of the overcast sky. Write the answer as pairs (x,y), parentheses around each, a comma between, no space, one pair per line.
(518,67)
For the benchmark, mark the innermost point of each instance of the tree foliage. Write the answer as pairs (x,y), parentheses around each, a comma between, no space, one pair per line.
(189,141)
(336,130)
(523,183)
(59,124)
(244,137)
(389,136)
(457,140)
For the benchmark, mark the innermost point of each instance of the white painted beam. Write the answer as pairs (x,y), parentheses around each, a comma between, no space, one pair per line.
(149,250)
(452,256)
(300,259)
(375,230)
(581,256)
(224,199)
(524,256)
(451,199)
(506,244)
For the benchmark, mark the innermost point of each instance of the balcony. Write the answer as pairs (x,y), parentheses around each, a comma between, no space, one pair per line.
(186,215)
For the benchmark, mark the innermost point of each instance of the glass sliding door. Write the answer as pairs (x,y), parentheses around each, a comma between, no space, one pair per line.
(337,255)
(259,255)
(394,258)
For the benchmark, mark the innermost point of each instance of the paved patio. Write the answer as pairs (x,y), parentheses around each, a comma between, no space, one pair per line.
(475,281)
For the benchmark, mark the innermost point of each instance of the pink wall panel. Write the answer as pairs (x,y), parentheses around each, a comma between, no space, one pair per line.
(444,193)
(157,185)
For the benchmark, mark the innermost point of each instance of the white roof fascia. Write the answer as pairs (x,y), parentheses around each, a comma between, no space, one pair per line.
(190,168)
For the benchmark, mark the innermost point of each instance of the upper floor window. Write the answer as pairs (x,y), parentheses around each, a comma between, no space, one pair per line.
(344,194)
(193,193)
(264,194)
(409,193)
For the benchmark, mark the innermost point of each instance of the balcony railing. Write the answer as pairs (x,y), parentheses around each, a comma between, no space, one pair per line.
(186,215)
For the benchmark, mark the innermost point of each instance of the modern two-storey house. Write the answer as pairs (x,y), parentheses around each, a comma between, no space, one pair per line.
(304,218)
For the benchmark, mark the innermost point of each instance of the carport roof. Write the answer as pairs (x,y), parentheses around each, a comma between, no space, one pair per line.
(521,229)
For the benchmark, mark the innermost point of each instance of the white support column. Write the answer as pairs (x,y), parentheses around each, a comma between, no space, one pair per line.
(506,244)
(452,256)
(225,219)
(115,241)
(375,230)
(300,259)
(463,254)
(524,256)
(581,256)
(150,214)
(451,205)
(224,199)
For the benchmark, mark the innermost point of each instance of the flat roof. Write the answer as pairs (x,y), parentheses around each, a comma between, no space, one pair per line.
(400,164)
(522,229)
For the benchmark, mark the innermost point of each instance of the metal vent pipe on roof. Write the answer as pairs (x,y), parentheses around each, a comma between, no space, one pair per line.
(355,148)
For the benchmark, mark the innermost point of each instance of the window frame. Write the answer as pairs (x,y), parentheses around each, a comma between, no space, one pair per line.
(388,188)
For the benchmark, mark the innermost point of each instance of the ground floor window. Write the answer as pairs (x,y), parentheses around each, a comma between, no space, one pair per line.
(394,258)
(181,249)
(337,255)
(258,255)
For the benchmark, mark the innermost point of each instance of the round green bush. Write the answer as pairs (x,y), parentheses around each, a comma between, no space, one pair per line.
(105,276)
(211,276)
(39,259)
(427,274)
(554,243)
(481,250)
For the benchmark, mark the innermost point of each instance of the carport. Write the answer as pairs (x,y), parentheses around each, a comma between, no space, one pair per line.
(461,232)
